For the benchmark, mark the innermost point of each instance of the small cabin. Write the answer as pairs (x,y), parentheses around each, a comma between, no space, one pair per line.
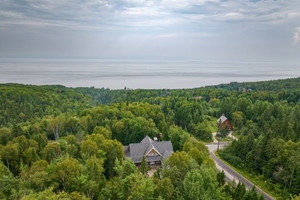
(225,122)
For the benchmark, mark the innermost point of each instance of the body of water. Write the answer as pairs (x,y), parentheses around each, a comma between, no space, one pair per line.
(148,74)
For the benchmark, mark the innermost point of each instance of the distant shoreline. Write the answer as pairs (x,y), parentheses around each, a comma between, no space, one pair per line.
(206,86)
(133,74)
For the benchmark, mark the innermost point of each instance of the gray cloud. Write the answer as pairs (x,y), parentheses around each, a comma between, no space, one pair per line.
(296,35)
(113,28)
(114,12)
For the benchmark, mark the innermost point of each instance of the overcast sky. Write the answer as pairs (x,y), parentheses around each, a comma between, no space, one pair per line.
(252,30)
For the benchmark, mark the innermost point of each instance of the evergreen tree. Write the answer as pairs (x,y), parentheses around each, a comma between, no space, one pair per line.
(144,167)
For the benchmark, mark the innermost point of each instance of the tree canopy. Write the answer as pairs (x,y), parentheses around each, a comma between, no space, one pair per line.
(67,143)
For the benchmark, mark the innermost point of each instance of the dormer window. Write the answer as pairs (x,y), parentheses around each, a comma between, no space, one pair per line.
(153,152)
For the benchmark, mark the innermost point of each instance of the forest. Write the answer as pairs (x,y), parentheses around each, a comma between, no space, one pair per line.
(67,143)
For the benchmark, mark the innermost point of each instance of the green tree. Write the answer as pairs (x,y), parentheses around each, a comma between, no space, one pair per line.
(138,186)
(221,178)
(51,151)
(88,148)
(11,156)
(197,150)
(125,168)
(164,188)
(202,131)
(8,183)
(97,138)
(5,135)
(56,126)
(71,139)
(37,176)
(41,140)
(178,137)
(22,143)
(114,150)
(114,190)
(50,195)
(103,131)
(201,184)
(180,160)
(94,167)
(219,127)
(30,156)
(238,119)
(144,167)
(223,131)
(71,125)
(17,131)
(4,171)
(66,171)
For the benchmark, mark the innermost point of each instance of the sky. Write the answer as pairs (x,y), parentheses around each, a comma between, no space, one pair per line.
(254,30)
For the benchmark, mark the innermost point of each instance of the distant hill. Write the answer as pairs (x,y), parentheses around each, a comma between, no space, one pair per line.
(20,103)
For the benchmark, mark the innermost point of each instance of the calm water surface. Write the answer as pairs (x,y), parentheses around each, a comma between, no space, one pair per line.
(117,74)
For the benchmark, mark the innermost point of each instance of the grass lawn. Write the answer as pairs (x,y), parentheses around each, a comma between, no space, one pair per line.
(213,128)
(200,140)
(213,124)
(255,179)
(224,139)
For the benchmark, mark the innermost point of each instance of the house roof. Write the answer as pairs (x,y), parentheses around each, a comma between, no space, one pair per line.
(147,140)
(222,119)
(136,151)
(150,147)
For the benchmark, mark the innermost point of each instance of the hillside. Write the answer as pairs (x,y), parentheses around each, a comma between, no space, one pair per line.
(55,141)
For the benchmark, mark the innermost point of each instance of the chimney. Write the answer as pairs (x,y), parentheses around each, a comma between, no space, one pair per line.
(155,139)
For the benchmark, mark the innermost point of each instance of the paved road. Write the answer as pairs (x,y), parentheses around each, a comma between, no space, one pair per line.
(229,135)
(230,173)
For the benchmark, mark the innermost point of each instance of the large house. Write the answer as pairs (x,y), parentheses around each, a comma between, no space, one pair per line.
(153,151)
(225,121)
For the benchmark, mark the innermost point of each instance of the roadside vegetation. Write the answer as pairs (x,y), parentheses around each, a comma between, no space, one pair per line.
(256,180)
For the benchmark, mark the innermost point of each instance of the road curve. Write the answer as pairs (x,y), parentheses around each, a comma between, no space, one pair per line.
(237,176)
(230,173)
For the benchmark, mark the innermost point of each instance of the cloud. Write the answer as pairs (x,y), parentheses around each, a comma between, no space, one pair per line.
(127,15)
(143,11)
(296,35)
(198,23)
(233,16)
(10,14)
(127,12)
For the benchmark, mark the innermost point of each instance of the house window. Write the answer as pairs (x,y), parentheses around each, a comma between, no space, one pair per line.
(152,154)
(152,163)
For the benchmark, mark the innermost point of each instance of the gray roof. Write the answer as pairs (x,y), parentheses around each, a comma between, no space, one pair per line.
(147,140)
(126,149)
(136,151)
(222,118)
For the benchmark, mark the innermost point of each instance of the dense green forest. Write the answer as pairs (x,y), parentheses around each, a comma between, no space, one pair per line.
(287,89)
(82,158)
(67,143)
(21,103)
